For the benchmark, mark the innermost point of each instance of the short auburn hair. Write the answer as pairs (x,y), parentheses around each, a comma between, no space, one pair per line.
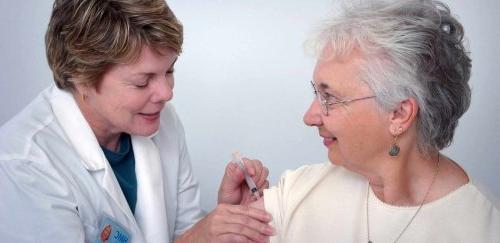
(86,37)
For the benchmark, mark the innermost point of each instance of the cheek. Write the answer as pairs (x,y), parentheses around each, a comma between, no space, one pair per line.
(333,124)
(130,105)
(116,107)
(366,140)
(136,102)
(119,112)
(354,134)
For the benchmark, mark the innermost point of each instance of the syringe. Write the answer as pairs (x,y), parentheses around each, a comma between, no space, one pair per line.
(248,179)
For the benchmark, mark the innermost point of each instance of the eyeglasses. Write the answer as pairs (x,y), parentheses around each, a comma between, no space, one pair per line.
(327,102)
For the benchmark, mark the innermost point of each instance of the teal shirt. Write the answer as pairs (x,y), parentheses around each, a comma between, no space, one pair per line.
(123,164)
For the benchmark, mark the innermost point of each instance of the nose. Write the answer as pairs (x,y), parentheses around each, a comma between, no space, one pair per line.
(164,90)
(313,116)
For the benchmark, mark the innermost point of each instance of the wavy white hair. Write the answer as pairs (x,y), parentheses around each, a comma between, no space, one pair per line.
(413,48)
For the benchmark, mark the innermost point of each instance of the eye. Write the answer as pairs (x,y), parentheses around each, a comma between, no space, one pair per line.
(143,84)
(330,99)
(144,81)
(170,71)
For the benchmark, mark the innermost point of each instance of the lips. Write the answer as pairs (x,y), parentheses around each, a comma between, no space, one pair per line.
(150,116)
(328,141)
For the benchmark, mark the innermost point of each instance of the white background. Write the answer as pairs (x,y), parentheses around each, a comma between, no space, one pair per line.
(242,81)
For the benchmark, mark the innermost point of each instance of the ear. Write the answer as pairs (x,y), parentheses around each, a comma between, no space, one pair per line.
(80,88)
(403,116)
(81,91)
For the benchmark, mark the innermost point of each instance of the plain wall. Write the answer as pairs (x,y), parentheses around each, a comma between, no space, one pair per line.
(242,82)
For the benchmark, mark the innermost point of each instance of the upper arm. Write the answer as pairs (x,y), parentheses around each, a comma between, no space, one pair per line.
(36,206)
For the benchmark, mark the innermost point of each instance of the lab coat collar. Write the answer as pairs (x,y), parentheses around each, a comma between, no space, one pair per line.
(83,140)
(77,129)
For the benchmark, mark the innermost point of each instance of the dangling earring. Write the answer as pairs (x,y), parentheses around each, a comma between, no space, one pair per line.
(394,148)
(394,151)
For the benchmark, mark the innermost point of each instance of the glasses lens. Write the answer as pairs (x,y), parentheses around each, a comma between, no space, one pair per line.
(322,103)
(321,100)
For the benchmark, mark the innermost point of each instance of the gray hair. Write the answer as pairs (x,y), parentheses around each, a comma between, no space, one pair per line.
(413,48)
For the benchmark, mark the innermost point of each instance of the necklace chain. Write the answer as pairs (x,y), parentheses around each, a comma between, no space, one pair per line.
(414,215)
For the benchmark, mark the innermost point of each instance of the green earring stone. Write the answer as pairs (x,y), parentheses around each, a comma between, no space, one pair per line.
(394,150)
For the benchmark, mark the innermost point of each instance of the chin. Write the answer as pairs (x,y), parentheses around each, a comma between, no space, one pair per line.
(335,158)
(348,164)
(145,131)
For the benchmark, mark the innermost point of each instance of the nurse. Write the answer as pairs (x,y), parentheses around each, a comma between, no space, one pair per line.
(101,155)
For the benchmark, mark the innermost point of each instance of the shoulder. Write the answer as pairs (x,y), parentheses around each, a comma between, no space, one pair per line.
(472,206)
(310,171)
(458,182)
(484,196)
(33,128)
(295,185)
(472,202)
(310,175)
(33,144)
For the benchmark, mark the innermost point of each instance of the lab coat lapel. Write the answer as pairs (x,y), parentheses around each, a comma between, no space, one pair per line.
(150,211)
(77,130)
(81,136)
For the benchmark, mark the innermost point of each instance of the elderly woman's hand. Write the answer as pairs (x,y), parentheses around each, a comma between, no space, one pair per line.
(232,224)
(234,190)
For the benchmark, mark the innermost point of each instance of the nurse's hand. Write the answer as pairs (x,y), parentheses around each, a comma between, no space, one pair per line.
(233,188)
(232,224)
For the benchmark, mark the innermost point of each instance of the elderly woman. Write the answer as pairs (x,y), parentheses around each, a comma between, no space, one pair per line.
(102,156)
(391,83)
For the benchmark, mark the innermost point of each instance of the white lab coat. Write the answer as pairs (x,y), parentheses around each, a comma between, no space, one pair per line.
(56,184)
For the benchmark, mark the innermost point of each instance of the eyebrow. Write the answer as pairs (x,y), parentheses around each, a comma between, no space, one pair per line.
(151,74)
(323,85)
(332,92)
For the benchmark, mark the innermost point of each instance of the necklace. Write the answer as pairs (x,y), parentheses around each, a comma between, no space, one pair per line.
(414,215)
